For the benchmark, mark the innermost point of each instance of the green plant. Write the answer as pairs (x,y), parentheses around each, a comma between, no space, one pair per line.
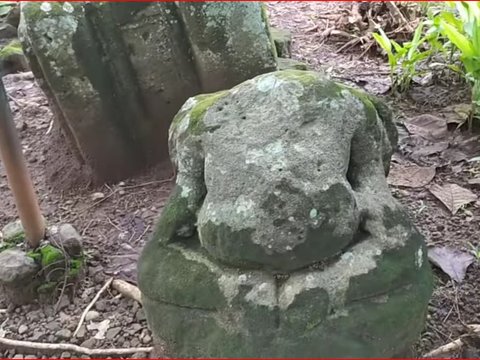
(475,251)
(459,25)
(403,59)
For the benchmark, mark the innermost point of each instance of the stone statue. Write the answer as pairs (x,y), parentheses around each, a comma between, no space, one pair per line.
(116,74)
(281,237)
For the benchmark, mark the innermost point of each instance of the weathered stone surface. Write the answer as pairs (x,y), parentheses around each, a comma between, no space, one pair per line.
(16,267)
(291,64)
(70,240)
(17,276)
(12,59)
(283,42)
(13,232)
(281,238)
(7,31)
(116,113)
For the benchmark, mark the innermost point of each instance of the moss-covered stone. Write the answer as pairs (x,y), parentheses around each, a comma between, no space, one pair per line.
(160,54)
(291,64)
(14,47)
(51,256)
(204,102)
(281,238)
(13,233)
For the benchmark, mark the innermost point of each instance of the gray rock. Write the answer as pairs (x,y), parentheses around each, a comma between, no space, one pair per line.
(140,315)
(65,355)
(16,268)
(81,332)
(205,47)
(37,335)
(70,240)
(101,305)
(90,343)
(13,17)
(113,332)
(92,315)
(147,339)
(139,355)
(63,334)
(12,58)
(134,328)
(22,329)
(13,232)
(281,237)
(291,64)
(7,31)
(53,326)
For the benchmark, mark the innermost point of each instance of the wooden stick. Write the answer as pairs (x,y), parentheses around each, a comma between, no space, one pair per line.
(451,346)
(87,309)
(127,290)
(18,176)
(29,346)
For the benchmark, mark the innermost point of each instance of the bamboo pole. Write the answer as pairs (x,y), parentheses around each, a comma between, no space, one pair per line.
(18,176)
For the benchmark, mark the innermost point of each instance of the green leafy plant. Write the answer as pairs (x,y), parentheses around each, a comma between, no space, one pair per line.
(403,59)
(459,25)
(475,251)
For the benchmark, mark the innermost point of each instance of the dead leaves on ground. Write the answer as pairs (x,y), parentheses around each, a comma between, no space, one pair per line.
(427,126)
(454,197)
(411,175)
(453,262)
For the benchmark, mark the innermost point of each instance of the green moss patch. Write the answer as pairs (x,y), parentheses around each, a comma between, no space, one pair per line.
(11,49)
(50,255)
(56,266)
(204,102)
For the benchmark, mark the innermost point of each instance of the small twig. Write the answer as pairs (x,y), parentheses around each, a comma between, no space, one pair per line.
(115,226)
(84,231)
(98,202)
(143,233)
(128,290)
(87,309)
(50,127)
(14,100)
(451,346)
(157,182)
(29,347)
(398,14)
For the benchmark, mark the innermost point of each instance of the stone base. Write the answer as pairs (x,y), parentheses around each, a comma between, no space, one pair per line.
(202,309)
(35,275)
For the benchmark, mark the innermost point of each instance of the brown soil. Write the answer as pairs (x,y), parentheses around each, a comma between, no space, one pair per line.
(116,227)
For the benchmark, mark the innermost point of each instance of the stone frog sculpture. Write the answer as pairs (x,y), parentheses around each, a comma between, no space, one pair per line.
(281,237)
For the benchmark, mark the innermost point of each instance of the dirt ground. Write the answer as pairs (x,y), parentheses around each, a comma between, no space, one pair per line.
(116,226)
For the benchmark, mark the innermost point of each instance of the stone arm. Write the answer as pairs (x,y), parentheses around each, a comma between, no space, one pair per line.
(369,163)
(179,217)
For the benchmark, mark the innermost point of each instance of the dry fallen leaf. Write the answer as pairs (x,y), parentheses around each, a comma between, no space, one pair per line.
(410,175)
(453,196)
(430,149)
(453,262)
(101,328)
(457,114)
(427,126)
